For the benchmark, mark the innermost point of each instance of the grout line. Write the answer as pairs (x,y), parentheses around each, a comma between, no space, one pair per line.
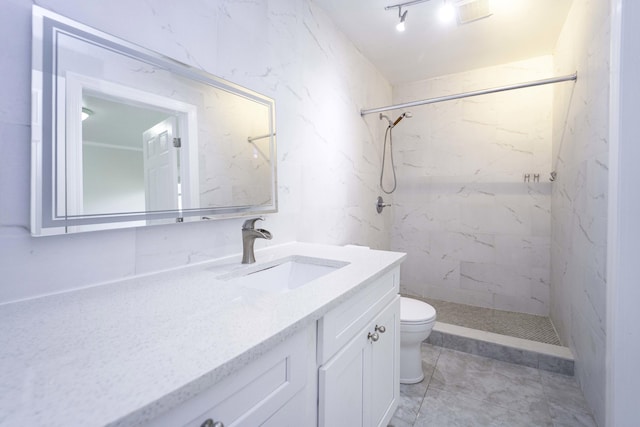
(428,383)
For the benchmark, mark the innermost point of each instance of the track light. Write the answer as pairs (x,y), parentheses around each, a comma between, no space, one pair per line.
(403,16)
(447,12)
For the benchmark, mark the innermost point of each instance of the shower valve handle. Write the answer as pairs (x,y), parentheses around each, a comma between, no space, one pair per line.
(380,204)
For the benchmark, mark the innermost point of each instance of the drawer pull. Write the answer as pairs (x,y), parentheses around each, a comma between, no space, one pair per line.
(210,423)
(381,329)
(373,336)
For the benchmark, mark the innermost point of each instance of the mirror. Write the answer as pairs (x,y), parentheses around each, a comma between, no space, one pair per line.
(125,137)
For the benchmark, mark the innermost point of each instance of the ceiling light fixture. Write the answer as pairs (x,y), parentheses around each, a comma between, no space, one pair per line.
(403,16)
(401,26)
(86,113)
(447,12)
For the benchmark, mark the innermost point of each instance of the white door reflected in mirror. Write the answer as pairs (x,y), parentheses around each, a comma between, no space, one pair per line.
(161,178)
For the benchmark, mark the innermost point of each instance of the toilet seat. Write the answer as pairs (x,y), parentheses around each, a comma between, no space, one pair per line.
(413,311)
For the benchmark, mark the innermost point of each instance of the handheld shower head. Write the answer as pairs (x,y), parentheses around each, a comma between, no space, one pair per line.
(406,114)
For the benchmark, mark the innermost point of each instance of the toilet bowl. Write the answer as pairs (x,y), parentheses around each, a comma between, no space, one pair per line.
(416,321)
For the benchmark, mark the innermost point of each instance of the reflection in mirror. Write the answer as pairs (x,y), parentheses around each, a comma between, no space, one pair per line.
(125,137)
(120,144)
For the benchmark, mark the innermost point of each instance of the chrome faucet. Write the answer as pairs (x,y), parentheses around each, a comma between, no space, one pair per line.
(249,236)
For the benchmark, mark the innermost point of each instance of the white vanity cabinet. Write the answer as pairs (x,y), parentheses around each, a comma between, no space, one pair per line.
(358,349)
(274,390)
(214,351)
(344,372)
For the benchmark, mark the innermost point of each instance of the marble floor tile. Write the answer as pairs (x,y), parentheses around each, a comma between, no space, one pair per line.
(566,402)
(398,422)
(430,355)
(492,381)
(466,390)
(442,408)
(412,395)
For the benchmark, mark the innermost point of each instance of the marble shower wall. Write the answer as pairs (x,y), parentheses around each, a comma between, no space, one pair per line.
(579,197)
(474,231)
(328,156)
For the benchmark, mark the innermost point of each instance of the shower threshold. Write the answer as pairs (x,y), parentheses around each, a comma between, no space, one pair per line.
(518,325)
(519,338)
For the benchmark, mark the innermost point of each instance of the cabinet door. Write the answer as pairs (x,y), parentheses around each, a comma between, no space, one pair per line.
(360,385)
(344,386)
(385,365)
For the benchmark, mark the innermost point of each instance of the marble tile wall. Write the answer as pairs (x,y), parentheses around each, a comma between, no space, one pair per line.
(474,231)
(328,156)
(579,197)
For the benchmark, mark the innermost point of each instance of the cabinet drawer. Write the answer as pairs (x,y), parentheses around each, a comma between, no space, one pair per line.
(254,393)
(339,325)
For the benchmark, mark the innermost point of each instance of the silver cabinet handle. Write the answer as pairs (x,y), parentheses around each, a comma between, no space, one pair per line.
(373,336)
(381,329)
(210,423)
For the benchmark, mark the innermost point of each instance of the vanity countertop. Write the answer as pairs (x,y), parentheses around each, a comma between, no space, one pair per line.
(124,352)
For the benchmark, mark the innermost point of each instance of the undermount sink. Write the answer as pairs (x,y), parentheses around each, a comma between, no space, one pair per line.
(284,275)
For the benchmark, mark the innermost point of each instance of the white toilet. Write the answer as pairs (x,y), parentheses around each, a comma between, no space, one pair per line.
(416,321)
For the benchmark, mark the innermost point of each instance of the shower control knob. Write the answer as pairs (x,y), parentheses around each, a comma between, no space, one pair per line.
(381,329)
(380,204)
(373,336)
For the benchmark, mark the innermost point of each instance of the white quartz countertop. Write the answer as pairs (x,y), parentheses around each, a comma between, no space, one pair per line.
(124,352)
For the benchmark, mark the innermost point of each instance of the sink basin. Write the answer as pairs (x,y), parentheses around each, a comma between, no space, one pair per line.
(286,274)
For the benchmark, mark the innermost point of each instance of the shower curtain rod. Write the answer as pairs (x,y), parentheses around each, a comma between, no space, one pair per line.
(566,78)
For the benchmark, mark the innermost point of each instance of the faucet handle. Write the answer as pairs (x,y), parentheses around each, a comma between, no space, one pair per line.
(251,223)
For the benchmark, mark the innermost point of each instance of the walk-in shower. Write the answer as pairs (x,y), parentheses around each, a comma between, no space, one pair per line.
(477,236)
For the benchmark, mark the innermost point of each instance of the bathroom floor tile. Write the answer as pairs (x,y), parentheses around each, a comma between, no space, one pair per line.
(566,403)
(430,355)
(398,422)
(442,408)
(500,383)
(412,395)
(462,389)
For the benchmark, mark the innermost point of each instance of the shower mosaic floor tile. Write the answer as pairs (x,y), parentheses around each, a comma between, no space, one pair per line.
(519,325)
(462,389)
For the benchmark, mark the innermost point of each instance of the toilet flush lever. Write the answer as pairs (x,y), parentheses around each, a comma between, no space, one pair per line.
(381,329)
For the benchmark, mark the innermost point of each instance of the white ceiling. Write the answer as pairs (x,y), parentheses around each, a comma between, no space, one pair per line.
(517,30)
(117,123)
